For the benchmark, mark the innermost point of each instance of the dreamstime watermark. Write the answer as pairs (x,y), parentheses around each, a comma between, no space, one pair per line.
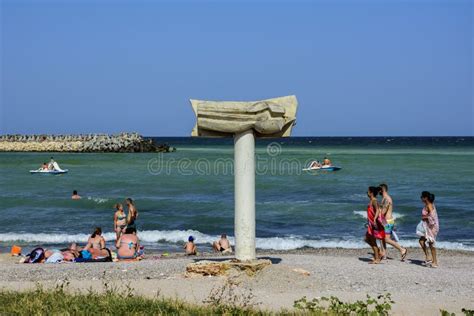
(271,162)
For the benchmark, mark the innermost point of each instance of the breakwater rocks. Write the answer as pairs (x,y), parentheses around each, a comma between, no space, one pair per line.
(121,143)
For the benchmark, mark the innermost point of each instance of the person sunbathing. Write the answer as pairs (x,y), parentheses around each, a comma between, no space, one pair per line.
(190,247)
(128,245)
(222,245)
(96,244)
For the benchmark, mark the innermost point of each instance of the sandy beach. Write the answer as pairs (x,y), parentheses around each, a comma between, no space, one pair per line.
(340,272)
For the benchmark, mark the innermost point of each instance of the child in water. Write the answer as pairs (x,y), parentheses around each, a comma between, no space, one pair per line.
(190,247)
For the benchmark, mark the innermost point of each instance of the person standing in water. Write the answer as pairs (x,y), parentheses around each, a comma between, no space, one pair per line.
(386,210)
(120,220)
(429,218)
(375,229)
(75,196)
(132,213)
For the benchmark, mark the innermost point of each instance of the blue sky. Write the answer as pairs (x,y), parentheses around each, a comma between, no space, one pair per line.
(358,68)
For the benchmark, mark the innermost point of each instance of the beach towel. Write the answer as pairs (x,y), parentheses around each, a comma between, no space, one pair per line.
(56,257)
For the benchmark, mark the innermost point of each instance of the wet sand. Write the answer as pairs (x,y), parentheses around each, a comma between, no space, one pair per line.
(344,273)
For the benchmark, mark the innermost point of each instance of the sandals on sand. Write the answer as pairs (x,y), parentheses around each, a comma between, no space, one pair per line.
(404,254)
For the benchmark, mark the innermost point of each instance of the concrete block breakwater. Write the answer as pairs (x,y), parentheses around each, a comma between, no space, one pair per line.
(124,142)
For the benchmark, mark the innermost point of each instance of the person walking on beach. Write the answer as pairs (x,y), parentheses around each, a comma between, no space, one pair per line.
(132,213)
(120,220)
(429,228)
(386,210)
(375,229)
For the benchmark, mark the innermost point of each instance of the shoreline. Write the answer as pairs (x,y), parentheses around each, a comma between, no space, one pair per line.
(340,272)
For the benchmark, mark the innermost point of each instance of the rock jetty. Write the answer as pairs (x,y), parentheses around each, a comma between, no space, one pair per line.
(119,143)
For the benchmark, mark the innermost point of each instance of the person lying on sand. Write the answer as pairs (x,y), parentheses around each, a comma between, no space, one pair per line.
(190,247)
(128,246)
(222,245)
(41,255)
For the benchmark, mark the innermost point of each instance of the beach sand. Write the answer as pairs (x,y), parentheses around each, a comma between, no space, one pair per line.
(344,273)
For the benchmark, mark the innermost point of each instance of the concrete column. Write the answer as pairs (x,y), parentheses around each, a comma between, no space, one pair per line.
(244,184)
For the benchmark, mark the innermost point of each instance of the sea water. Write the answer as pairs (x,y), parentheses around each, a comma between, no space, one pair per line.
(190,192)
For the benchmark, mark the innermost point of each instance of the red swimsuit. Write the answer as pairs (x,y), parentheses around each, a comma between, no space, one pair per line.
(374,228)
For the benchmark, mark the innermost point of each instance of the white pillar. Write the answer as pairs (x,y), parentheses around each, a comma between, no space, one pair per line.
(244,183)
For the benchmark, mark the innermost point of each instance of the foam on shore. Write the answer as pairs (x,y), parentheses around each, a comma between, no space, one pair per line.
(152,237)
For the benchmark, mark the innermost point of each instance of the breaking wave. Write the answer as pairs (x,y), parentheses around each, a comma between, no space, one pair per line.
(150,237)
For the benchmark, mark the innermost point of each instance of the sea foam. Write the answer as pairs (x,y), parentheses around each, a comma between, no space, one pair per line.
(364,214)
(151,237)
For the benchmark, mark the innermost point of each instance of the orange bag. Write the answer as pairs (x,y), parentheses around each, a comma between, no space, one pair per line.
(16,251)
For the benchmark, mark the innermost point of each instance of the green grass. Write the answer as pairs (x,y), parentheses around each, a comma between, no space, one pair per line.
(61,302)
(221,301)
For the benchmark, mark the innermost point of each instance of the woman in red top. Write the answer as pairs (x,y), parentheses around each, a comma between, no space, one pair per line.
(375,228)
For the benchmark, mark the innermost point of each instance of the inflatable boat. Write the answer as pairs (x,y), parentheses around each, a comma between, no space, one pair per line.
(323,168)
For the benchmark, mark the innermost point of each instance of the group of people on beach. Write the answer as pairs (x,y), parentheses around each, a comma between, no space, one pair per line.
(381,226)
(127,242)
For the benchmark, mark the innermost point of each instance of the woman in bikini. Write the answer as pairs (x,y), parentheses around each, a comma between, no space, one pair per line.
(386,210)
(429,218)
(120,220)
(96,244)
(375,229)
(128,245)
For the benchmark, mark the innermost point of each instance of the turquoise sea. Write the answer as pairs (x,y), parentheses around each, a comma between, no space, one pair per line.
(190,192)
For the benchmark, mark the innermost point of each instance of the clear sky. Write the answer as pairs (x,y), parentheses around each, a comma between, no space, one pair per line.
(358,68)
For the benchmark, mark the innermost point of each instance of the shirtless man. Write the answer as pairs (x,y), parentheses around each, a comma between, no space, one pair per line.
(190,247)
(327,162)
(132,213)
(386,208)
(222,245)
(75,196)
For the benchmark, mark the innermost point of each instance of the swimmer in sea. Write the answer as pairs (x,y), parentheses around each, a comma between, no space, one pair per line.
(75,196)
